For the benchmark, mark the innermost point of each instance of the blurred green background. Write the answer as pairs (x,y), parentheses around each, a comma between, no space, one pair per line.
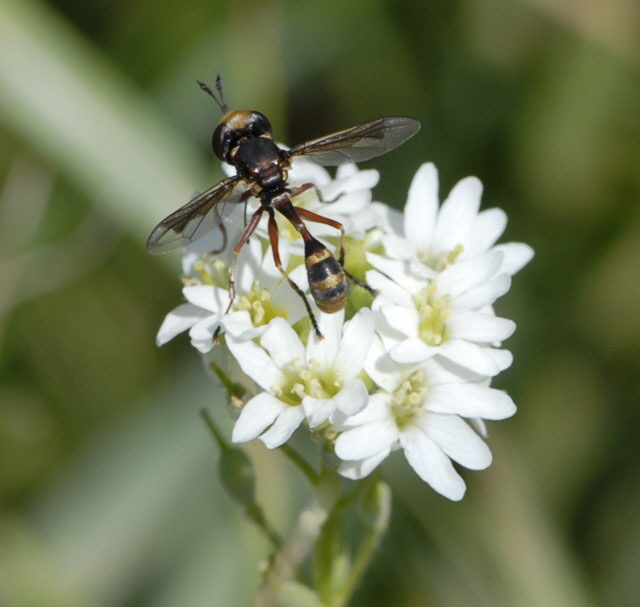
(107,475)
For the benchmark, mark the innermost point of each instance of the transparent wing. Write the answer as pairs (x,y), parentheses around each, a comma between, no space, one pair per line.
(202,215)
(359,143)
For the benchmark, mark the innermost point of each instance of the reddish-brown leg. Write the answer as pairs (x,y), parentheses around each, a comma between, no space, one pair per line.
(311,216)
(273,239)
(244,237)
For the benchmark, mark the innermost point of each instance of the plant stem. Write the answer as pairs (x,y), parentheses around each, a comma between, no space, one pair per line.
(217,435)
(304,466)
(369,544)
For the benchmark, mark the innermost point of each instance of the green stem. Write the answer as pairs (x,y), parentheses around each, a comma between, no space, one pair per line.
(256,514)
(369,545)
(252,509)
(233,389)
(287,561)
(305,467)
(217,435)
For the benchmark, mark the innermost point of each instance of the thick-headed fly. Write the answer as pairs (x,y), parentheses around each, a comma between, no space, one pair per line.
(244,140)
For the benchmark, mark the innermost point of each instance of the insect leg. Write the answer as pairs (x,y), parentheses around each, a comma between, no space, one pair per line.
(244,237)
(273,239)
(311,216)
(223,231)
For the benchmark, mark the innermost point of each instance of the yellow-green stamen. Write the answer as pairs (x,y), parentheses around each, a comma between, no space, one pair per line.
(439,261)
(407,400)
(213,272)
(433,311)
(307,380)
(260,306)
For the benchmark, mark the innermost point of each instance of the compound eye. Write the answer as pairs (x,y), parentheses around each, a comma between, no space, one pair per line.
(221,141)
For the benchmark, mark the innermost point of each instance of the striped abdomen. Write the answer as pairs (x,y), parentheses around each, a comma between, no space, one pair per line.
(327,280)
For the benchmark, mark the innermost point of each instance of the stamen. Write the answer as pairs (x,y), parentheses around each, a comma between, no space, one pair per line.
(433,311)
(308,380)
(440,261)
(407,400)
(259,304)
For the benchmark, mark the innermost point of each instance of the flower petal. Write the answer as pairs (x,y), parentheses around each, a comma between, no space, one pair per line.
(458,441)
(360,180)
(457,214)
(317,410)
(359,469)
(202,333)
(468,273)
(470,400)
(487,227)
(390,220)
(387,289)
(412,350)
(354,346)
(503,358)
(324,350)
(516,256)
(422,207)
(284,426)
(484,294)
(402,319)
(256,415)
(179,320)
(431,464)
(352,398)
(479,327)
(381,368)
(469,355)
(350,203)
(304,171)
(255,362)
(210,298)
(282,343)
(366,441)
(377,409)
(236,323)
(397,247)
(396,269)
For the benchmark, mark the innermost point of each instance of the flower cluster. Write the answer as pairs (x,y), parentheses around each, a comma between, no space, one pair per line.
(409,369)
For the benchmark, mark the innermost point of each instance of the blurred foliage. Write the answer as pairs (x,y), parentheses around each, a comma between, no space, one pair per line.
(108,484)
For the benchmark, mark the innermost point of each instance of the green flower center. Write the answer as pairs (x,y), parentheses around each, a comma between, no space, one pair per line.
(356,250)
(407,400)
(439,261)
(260,306)
(433,311)
(307,380)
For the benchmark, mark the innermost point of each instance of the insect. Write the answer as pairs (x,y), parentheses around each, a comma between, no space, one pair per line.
(244,140)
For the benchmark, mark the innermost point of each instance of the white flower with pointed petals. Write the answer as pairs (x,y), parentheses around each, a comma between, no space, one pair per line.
(261,294)
(420,409)
(448,314)
(299,382)
(437,236)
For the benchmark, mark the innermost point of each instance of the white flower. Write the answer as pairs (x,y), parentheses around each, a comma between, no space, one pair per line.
(412,373)
(448,314)
(261,294)
(299,382)
(419,409)
(436,236)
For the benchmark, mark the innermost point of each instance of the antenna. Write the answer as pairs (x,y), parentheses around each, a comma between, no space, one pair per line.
(220,98)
